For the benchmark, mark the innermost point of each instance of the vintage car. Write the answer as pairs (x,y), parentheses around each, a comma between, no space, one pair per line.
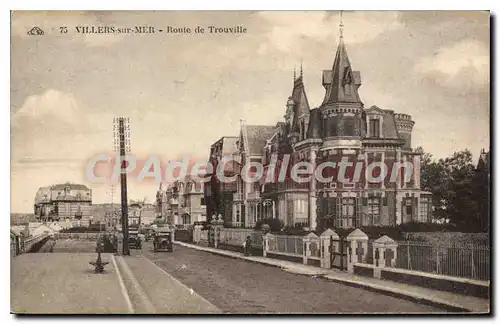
(134,240)
(163,240)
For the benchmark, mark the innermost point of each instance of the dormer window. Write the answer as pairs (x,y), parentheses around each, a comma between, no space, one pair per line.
(347,76)
(347,81)
(374,127)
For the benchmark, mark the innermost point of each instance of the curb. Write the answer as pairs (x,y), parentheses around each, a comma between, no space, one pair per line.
(138,289)
(229,256)
(398,294)
(370,287)
(123,288)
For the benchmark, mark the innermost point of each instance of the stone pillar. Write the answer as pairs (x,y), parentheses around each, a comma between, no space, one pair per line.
(384,254)
(328,247)
(416,170)
(265,244)
(197,233)
(388,171)
(313,217)
(358,248)
(306,253)
(398,160)
(218,225)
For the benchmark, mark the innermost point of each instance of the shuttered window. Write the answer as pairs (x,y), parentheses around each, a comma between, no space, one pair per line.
(374,210)
(374,128)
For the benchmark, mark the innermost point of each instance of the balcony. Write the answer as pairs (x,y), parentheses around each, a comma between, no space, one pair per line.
(290,184)
(253,195)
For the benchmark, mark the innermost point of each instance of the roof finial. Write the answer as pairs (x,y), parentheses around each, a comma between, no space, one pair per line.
(341,25)
(301,71)
(294,74)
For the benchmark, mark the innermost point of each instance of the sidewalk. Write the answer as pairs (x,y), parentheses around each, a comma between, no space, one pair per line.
(153,291)
(456,302)
(64,283)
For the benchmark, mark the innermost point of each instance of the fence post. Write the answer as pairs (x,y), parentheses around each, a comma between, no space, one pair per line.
(307,246)
(197,233)
(327,247)
(473,265)
(383,244)
(359,248)
(437,261)
(265,244)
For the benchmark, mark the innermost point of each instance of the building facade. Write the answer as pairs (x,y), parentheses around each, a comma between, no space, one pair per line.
(340,130)
(222,194)
(140,213)
(182,203)
(66,201)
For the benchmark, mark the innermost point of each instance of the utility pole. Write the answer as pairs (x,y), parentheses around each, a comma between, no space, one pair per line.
(112,213)
(122,138)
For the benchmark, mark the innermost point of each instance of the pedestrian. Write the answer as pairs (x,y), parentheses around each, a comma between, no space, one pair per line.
(248,245)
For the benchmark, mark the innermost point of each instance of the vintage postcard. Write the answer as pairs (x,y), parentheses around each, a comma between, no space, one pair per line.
(250,162)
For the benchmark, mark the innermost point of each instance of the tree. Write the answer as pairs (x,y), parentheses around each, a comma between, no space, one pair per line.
(456,189)
(433,179)
(461,207)
(275,225)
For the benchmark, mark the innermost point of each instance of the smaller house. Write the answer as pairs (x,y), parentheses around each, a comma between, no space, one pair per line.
(32,226)
(41,230)
(55,226)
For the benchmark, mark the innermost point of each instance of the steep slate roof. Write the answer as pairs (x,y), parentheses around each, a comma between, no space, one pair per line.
(389,129)
(73,186)
(314,129)
(229,145)
(301,104)
(342,78)
(257,135)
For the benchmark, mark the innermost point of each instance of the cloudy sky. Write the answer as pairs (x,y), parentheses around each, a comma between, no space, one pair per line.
(183,92)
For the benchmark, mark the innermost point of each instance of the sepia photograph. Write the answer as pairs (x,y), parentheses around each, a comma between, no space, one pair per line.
(250,162)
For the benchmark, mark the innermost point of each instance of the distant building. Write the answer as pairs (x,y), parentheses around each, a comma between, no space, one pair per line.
(22,218)
(183,203)
(42,229)
(220,195)
(108,213)
(64,201)
(141,213)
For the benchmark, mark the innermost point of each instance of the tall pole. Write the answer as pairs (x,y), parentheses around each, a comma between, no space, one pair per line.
(124,148)
(112,189)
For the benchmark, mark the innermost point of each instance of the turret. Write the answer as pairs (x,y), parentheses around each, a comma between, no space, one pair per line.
(341,110)
(404,125)
(290,106)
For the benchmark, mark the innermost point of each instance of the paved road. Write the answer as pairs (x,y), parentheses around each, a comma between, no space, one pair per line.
(237,286)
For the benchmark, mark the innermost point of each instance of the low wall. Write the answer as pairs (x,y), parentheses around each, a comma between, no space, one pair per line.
(77,236)
(184,235)
(463,286)
(291,258)
(35,247)
(254,250)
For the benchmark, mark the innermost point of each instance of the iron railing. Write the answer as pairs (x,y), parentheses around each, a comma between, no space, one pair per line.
(286,244)
(458,260)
